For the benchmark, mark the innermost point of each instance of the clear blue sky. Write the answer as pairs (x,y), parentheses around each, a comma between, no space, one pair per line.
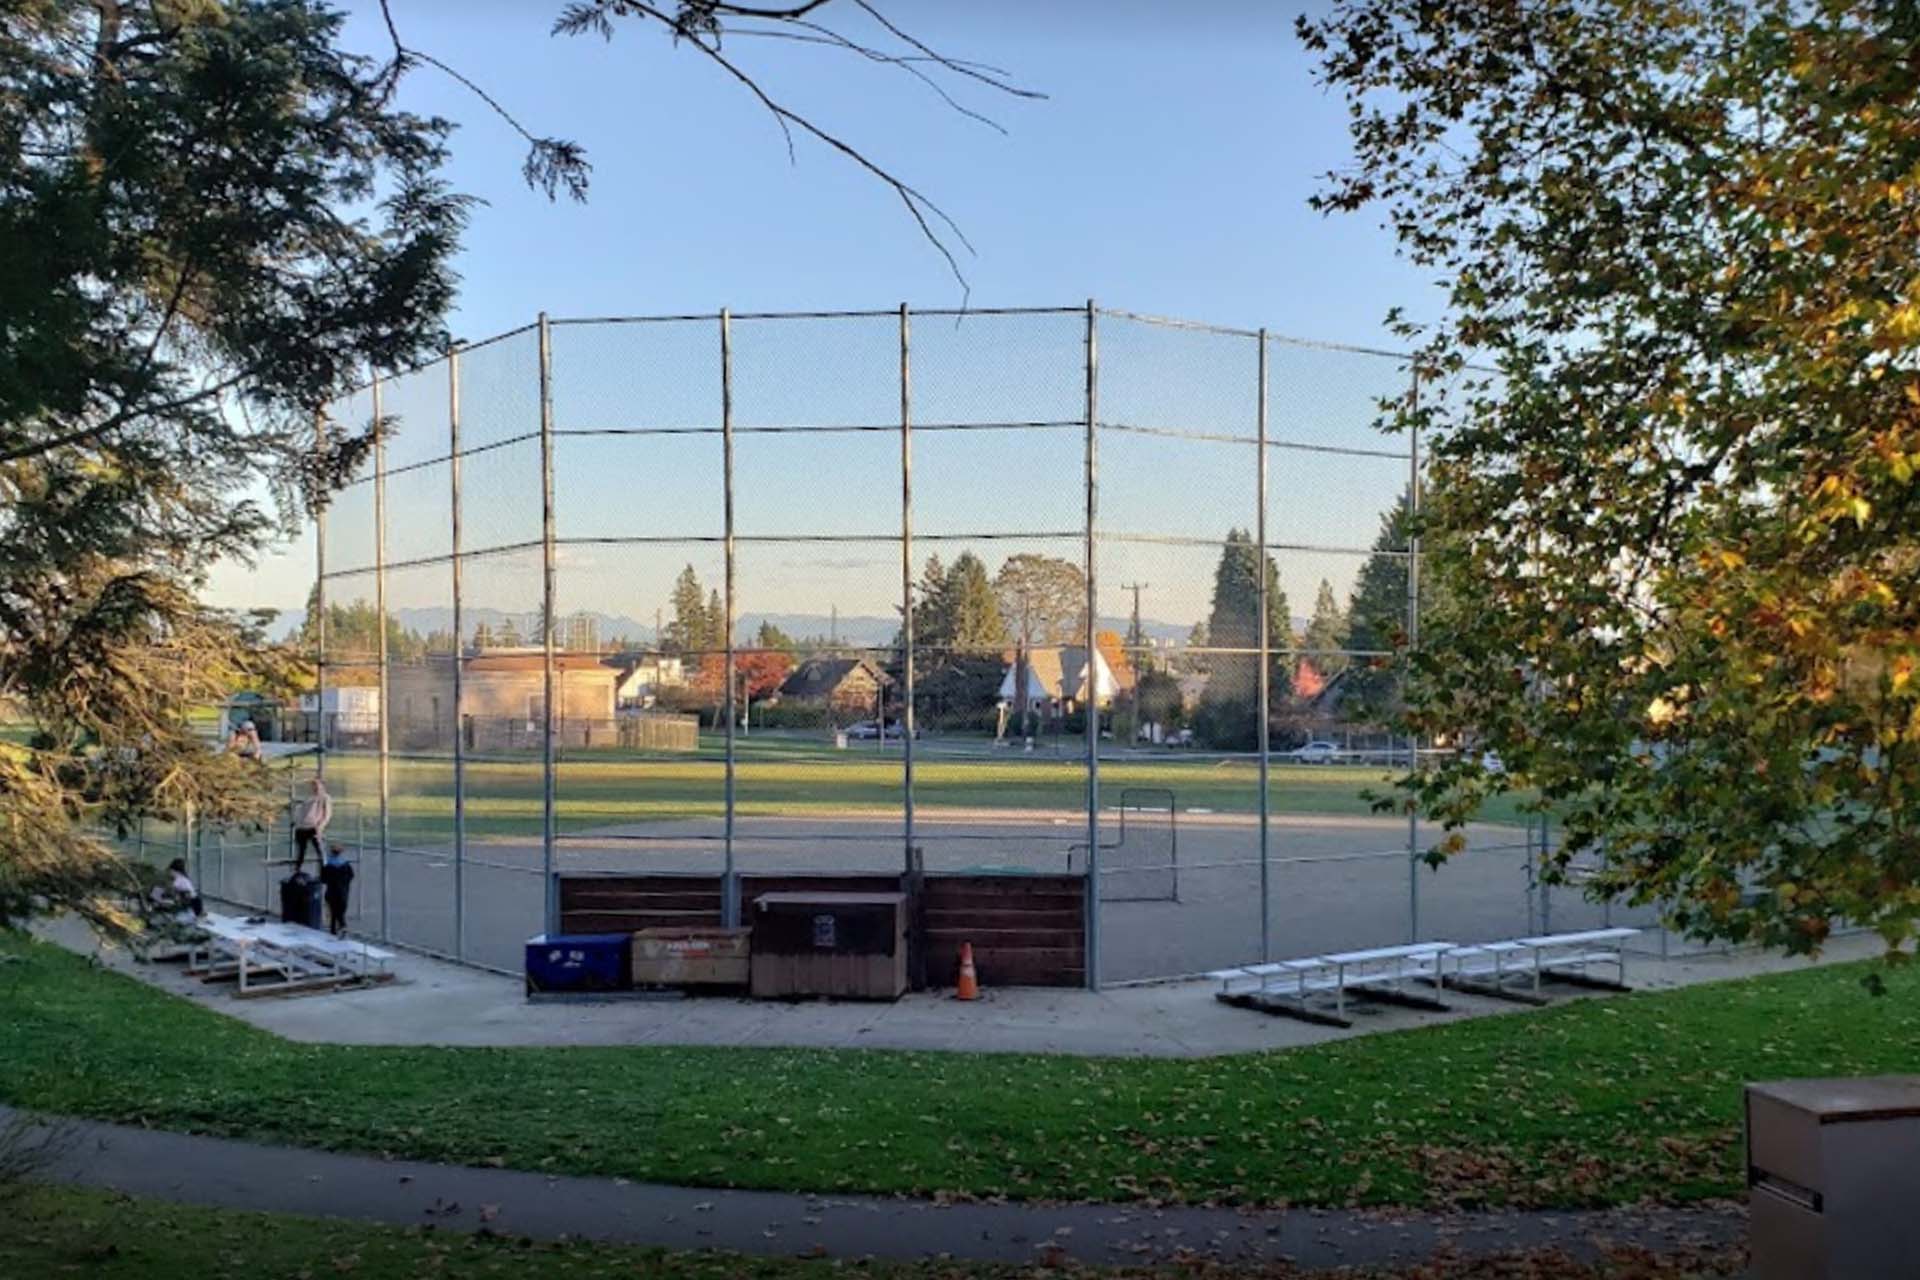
(1167,171)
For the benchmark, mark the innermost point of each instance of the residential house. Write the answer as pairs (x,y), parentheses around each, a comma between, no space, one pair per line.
(850,688)
(1332,709)
(639,678)
(1057,680)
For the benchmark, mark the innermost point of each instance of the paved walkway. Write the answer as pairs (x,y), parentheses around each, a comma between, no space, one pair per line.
(436,1002)
(240,1175)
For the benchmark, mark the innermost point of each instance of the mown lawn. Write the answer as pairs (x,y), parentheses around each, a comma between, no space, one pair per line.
(1592,1102)
(49,1232)
(784,779)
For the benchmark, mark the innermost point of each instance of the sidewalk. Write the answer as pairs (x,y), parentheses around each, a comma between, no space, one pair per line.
(238,1175)
(435,1002)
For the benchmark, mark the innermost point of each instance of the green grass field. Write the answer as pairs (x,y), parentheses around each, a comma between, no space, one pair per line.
(1592,1102)
(788,778)
(50,1232)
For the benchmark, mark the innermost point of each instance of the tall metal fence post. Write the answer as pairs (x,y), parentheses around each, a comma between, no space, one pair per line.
(1413,643)
(320,608)
(459,736)
(1264,729)
(380,605)
(729,880)
(190,846)
(1092,684)
(906,586)
(550,914)
(1546,889)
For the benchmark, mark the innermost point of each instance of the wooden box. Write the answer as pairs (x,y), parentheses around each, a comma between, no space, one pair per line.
(850,945)
(691,956)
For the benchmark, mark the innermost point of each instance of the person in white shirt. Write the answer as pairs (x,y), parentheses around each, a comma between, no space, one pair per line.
(178,893)
(245,741)
(310,825)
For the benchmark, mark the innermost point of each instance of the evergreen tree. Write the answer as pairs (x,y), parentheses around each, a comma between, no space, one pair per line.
(1194,659)
(932,624)
(970,608)
(687,633)
(353,633)
(1377,616)
(1326,633)
(773,639)
(716,622)
(958,638)
(1229,711)
(212,221)
(1158,697)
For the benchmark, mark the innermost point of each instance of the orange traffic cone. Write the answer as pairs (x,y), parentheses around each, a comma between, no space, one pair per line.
(969,986)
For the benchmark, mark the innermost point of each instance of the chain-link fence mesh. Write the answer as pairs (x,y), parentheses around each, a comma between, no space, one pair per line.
(1000,591)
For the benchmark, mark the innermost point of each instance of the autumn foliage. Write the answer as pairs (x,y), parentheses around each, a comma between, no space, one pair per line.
(1674,418)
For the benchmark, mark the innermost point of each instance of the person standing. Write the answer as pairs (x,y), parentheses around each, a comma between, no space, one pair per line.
(310,824)
(336,877)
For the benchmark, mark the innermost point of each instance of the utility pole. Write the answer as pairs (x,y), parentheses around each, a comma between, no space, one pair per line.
(1136,641)
(1135,637)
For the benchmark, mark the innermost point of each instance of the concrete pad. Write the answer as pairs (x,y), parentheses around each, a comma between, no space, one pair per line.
(434,1002)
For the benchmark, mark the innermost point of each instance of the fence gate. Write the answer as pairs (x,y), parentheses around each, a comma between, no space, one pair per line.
(1142,864)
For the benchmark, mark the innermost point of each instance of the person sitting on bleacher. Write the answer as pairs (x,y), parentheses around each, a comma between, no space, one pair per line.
(177,894)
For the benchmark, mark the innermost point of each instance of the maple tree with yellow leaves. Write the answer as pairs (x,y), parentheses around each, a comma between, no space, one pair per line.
(1677,534)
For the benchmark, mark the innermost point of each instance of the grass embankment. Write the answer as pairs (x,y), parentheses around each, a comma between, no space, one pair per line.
(1594,1102)
(51,1232)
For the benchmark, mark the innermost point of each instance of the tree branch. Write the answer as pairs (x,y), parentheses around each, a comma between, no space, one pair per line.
(970,69)
(833,39)
(551,162)
(925,212)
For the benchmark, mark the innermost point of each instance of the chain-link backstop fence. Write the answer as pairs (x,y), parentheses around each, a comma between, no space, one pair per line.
(1024,590)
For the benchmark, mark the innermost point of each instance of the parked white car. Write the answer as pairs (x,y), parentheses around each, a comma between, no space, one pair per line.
(868,730)
(1317,753)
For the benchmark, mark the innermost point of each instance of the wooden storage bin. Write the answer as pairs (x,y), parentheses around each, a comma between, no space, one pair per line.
(850,945)
(691,956)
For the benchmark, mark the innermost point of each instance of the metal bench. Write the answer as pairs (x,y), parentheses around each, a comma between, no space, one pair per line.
(1513,969)
(1288,986)
(1502,969)
(295,957)
(1567,956)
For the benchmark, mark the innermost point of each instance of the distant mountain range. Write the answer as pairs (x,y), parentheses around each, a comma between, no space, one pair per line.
(615,630)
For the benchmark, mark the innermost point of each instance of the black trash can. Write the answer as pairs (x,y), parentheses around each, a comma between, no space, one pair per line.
(300,900)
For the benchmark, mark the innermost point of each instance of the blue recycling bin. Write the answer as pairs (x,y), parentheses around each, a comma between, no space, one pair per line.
(579,962)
